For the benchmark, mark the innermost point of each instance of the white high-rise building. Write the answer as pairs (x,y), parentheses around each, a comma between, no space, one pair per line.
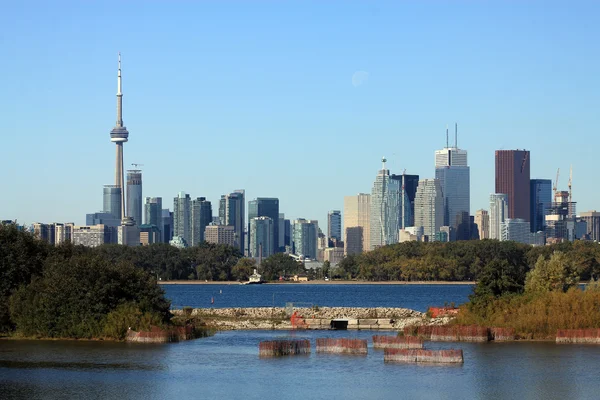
(429,207)
(261,237)
(498,214)
(182,217)
(385,209)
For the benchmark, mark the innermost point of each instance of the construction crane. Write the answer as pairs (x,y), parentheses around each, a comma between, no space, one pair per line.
(570,181)
(555,187)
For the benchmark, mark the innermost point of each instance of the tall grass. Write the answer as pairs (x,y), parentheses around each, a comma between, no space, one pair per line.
(536,316)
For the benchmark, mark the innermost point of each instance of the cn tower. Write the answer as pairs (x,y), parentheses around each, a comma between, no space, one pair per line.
(119,135)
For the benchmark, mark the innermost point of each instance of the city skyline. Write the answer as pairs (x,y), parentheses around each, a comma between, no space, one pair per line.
(328,111)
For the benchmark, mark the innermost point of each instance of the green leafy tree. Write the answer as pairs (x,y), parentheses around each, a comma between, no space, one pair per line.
(243,269)
(556,274)
(280,264)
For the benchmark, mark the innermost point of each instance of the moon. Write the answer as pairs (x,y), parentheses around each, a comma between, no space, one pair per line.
(360,78)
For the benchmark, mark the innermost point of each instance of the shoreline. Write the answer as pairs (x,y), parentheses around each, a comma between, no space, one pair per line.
(320,282)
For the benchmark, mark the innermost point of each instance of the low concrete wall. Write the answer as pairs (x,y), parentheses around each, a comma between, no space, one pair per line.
(383,318)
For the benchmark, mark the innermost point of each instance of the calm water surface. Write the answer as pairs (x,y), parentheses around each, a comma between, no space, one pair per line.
(227,365)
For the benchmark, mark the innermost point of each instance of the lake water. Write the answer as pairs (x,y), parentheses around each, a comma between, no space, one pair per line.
(227,366)
(416,297)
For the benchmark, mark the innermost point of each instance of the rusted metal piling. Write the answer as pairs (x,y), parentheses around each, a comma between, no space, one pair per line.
(578,336)
(502,334)
(397,342)
(471,333)
(278,348)
(423,356)
(342,346)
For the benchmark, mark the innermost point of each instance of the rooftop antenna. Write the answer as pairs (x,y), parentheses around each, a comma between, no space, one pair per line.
(447,136)
(456,135)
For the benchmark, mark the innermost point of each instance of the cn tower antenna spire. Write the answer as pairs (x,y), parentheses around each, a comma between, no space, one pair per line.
(119,96)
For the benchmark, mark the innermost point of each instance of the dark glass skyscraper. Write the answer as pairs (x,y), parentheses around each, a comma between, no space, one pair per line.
(512,179)
(408,185)
(134,195)
(153,214)
(232,212)
(201,218)
(541,199)
(112,201)
(266,207)
(334,225)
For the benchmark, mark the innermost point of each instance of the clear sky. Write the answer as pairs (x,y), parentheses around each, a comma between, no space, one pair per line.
(296,100)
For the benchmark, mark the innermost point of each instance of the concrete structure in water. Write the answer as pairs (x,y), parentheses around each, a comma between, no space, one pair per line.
(512,179)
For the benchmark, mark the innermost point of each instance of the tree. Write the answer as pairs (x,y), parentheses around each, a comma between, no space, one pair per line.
(556,274)
(497,278)
(243,269)
(280,264)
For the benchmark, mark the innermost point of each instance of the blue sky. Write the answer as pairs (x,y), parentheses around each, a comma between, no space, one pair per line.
(227,95)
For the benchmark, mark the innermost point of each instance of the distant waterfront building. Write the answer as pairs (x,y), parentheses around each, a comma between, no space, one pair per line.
(153,214)
(134,195)
(112,201)
(408,191)
(498,214)
(45,232)
(201,218)
(232,212)
(518,230)
(334,225)
(261,237)
(482,219)
(452,170)
(182,215)
(266,207)
(281,230)
(540,202)
(91,236)
(411,234)
(63,233)
(429,208)
(385,209)
(128,235)
(305,238)
(179,242)
(512,179)
(167,225)
(592,220)
(149,234)
(220,234)
(334,255)
(561,218)
(357,214)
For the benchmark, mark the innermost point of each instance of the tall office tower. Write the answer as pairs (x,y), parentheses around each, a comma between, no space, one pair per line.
(498,214)
(201,218)
(266,207)
(45,232)
(357,213)
(512,178)
(128,235)
(287,242)
(334,225)
(134,195)
(153,215)
(452,170)
(408,188)
(281,230)
(112,201)
(305,237)
(261,237)
(182,217)
(429,208)
(541,200)
(482,219)
(220,234)
(592,220)
(167,225)
(385,209)
(232,212)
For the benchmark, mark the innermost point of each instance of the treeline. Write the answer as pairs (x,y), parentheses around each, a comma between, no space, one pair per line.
(461,261)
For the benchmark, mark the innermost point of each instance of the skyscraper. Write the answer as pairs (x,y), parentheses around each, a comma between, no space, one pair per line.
(429,207)
(112,201)
(261,237)
(334,225)
(499,207)
(167,225)
(512,179)
(385,209)
(232,212)
(452,170)
(482,219)
(153,215)
(266,207)
(357,214)
(541,200)
(182,217)
(408,188)
(201,218)
(134,195)
(305,237)
(119,135)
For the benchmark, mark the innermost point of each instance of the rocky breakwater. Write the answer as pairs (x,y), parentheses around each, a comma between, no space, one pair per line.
(380,318)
